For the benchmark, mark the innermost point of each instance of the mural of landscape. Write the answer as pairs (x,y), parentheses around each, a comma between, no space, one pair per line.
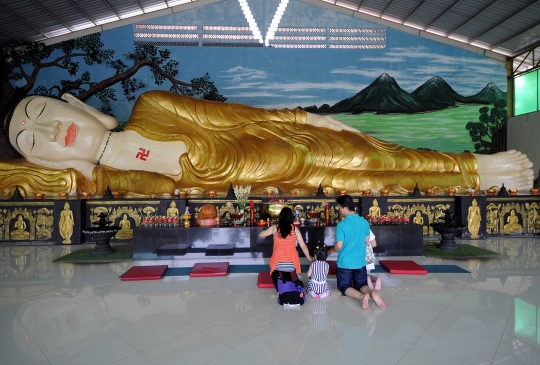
(405,89)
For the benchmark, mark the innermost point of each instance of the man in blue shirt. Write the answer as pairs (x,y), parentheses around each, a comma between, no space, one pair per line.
(352,235)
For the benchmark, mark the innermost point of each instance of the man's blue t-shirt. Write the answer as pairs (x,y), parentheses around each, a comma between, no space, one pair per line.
(352,231)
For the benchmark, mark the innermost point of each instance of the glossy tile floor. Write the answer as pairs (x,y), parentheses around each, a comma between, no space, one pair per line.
(83,314)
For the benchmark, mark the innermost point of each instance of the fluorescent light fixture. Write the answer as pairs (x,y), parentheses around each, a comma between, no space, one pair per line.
(369,12)
(413,25)
(56,33)
(458,38)
(82,26)
(436,32)
(131,14)
(106,20)
(275,21)
(155,8)
(502,51)
(251,21)
(178,2)
(391,18)
(480,44)
(347,5)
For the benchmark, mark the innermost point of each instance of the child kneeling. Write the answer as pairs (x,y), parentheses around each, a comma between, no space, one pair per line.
(318,272)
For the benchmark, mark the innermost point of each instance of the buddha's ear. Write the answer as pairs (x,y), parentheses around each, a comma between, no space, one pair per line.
(107,120)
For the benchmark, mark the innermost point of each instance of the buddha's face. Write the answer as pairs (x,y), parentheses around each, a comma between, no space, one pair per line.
(55,130)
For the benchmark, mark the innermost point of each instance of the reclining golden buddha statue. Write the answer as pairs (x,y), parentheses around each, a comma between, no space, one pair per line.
(173,141)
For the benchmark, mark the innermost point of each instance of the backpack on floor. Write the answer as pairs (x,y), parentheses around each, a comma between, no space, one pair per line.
(290,291)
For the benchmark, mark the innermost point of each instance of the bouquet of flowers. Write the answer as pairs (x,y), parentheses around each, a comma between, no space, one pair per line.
(242,195)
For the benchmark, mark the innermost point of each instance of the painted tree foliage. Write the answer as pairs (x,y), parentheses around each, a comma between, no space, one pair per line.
(489,134)
(21,67)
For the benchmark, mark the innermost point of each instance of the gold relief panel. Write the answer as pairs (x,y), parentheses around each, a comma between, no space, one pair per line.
(533,218)
(493,218)
(422,214)
(21,224)
(125,217)
(44,224)
(512,217)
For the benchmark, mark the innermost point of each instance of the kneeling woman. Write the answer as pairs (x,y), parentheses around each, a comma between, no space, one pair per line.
(284,256)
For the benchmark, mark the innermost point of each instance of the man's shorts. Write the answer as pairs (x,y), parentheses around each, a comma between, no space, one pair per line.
(351,278)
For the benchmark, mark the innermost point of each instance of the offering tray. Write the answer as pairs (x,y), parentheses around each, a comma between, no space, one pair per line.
(313,221)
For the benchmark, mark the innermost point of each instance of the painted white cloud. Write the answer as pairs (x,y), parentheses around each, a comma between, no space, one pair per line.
(303,86)
(239,74)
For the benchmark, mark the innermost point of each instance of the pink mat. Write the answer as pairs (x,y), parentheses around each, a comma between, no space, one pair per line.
(209,269)
(403,267)
(144,273)
(265,280)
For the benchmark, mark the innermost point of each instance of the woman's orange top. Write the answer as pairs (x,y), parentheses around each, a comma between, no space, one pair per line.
(285,251)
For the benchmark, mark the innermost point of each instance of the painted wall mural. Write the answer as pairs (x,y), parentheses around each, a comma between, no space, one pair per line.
(372,78)
(275,54)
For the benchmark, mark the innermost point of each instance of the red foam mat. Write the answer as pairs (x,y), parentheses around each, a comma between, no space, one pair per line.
(265,280)
(403,267)
(332,268)
(144,273)
(209,269)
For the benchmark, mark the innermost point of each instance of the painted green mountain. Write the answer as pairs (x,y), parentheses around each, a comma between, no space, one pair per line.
(384,96)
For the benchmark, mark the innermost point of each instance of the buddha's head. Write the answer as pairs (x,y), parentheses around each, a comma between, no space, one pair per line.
(46,130)
(20,218)
(66,206)
(375,203)
(173,204)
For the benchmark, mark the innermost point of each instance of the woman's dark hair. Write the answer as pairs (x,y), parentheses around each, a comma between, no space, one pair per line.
(320,252)
(360,210)
(286,219)
(346,201)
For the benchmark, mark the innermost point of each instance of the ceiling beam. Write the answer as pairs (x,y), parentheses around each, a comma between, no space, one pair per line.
(15,15)
(442,14)
(499,24)
(413,11)
(82,12)
(58,20)
(471,19)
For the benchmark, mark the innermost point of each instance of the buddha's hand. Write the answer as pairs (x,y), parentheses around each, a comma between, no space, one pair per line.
(82,166)
(326,121)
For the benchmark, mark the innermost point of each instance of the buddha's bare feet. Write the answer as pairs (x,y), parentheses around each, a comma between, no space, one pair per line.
(378,300)
(365,302)
(511,168)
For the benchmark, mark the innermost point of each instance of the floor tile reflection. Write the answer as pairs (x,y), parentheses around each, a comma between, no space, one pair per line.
(83,314)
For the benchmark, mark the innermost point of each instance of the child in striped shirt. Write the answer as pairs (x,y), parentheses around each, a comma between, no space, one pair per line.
(318,272)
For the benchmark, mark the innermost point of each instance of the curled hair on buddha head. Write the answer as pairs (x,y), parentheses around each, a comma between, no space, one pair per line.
(320,252)
(346,201)
(286,219)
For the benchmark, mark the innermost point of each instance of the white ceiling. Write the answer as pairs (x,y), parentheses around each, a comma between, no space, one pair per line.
(496,28)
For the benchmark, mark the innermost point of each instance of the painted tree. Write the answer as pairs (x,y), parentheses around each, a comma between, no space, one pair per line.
(489,134)
(23,65)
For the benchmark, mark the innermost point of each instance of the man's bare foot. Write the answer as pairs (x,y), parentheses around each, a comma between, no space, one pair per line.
(378,300)
(511,168)
(365,302)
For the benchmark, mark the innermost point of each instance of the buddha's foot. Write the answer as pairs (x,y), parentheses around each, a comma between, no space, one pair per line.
(511,168)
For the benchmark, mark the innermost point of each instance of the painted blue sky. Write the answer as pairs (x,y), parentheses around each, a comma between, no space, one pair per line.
(270,77)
